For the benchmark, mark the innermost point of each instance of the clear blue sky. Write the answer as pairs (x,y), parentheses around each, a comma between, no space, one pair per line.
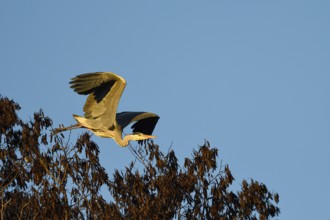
(252,77)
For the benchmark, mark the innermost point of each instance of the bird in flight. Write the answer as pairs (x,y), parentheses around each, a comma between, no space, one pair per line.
(104,90)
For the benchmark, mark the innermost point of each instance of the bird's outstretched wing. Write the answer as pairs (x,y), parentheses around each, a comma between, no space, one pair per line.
(104,90)
(145,122)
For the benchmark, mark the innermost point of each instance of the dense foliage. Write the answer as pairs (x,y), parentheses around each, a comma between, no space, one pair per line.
(44,177)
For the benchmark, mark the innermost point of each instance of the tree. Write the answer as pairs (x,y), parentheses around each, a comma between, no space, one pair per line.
(44,177)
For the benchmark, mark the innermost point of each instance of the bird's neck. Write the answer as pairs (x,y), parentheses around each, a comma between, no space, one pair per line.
(123,142)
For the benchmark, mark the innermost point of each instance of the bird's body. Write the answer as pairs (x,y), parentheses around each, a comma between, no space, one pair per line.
(104,90)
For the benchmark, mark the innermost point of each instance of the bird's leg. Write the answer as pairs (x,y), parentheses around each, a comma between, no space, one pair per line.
(61,129)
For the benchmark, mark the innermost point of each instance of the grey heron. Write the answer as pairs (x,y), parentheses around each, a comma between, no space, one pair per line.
(104,90)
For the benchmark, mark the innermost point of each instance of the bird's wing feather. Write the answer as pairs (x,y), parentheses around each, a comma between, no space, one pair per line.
(104,90)
(145,122)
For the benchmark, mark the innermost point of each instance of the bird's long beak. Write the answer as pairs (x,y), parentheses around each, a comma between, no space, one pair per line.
(150,136)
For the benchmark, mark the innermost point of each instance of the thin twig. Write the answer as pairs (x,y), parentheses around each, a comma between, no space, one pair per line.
(137,155)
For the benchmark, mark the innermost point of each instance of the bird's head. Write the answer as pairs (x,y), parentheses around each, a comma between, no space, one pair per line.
(137,136)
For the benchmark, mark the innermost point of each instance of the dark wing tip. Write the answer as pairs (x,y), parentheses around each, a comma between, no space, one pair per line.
(98,82)
(146,125)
